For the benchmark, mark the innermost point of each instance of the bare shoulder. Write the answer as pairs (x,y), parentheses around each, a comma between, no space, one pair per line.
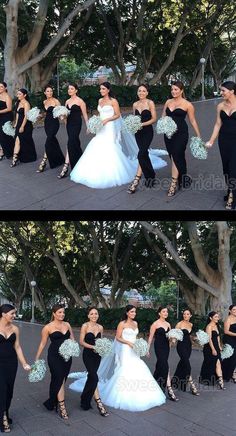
(15,329)
(114,101)
(121,324)
(151,103)
(100,327)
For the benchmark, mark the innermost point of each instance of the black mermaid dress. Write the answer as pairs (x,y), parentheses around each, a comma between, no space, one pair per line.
(162,349)
(144,138)
(183,369)
(27,147)
(208,371)
(59,368)
(229,365)
(52,147)
(227,146)
(8,369)
(177,144)
(91,361)
(6,141)
(73,126)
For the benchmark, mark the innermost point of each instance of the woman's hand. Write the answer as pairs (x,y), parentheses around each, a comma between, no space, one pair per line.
(209,144)
(214,352)
(148,354)
(26,367)
(130,344)
(104,122)
(21,129)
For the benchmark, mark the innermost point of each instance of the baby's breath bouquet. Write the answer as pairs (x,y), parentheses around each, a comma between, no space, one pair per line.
(8,129)
(167,126)
(198,148)
(103,346)
(94,124)
(202,337)
(141,347)
(68,349)
(38,371)
(175,334)
(227,351)
(60,112)
(133,123)
(33,114)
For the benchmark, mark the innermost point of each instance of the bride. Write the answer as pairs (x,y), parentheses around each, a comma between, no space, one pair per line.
(110,158)
(125,381)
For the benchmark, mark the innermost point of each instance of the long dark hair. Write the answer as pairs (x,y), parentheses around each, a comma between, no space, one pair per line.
(4,308)
(209,316)
(91,308)
(127,309)
(55,308)
(74,85)
(187,309)
(25,92)
(4,84)
(231,307)
(108,86)
(179,85)
(230,85)
(160,308)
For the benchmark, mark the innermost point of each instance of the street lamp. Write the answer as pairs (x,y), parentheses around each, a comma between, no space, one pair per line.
(33,284)
(202,62)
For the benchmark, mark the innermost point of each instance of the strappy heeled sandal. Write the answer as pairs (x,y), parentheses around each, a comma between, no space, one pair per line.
(171,394)
(133,186)
(5,428)
(64,171)
(42,165)
(101,407)
(173,187)
(230,202)
(220,383)
(62,410)
(15,160)
(193,388)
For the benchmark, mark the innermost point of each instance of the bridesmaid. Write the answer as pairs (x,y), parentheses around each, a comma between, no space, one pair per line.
(177,108)
(211,366)
(146,109)
(24,150)
(225,126)
(229,365)
(77,108)
(162,348)
(90,331)
(53,151)
(182,374)
(10,350)
(6,114)
(58,331)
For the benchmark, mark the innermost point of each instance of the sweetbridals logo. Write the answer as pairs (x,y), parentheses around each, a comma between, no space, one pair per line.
(134,385)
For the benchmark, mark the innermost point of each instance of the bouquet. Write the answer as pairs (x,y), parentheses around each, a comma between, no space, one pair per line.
(198,148)
(38,371)
(141,347)
(33,114)
(8,128)
(227,351)
(202,337)
(103,346)
(133,123)
(68,349)
(166,125)
(94,124)
(175,334)
(60,112)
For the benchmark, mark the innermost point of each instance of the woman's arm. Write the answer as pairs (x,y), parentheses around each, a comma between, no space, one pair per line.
(164,109)
(71,332)
(84,110)
(226,328)
(26,109)
(116,115)
(44,339)
(119,335)
(192,119)
(19,351)
(209,331)
(134,107)
(153,114)
(9,105)
(82,342)
(216,128)
(151,333)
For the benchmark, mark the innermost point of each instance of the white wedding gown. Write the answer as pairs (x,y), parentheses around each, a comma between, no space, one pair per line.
(125,381)
(110,158)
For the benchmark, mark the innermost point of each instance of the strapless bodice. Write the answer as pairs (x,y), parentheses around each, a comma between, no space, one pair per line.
(130,334)
(106,111)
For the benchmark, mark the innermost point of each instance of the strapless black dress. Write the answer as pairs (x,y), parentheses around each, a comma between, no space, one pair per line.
(52,147)
(144,138)
(91,361)
(73,126)
(8,369)
(27,146)
(227,146)
(6,141)
(162,349)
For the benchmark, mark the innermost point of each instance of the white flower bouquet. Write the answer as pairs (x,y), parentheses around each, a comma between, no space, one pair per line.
(37,372)
(167,126)
(133,123)
(94,124)
(202,337)
(198,148)
(141,347)
(60,112)
(103,346)
(68,349)
(33,114)
(8,128)
(175,334)
(227,351)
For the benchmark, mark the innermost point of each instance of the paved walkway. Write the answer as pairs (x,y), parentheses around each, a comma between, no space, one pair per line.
(210,414)
(24,189)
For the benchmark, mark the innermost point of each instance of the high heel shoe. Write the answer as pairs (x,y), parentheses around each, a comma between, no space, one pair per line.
(220,383)
(193,388)
(101,407)
(230,202)
(42,165)
(62,412)
(5,428)
(15,160)
(133,186)
(2,157)
(64,171)
(173,187)
(171,394)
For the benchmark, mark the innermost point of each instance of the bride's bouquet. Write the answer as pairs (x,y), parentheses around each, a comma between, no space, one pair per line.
(227,351)
(8,128)
(202,337)
(133,123)
(38,371)
(175,334)
(198,148)
(60,112)
(68,349)
(103,346)
(33,114)
(141,347)
(94,124)
(167,126)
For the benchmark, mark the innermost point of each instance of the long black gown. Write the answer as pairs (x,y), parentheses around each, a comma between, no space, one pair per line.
(162,349)
(73,126)
(92,361)
(229,365)
(52,147)
(6,141)
(208,371)
(183,369)
(144,138)
(8,368)
(177,144)
(27,147)
(58,367)
(227,146)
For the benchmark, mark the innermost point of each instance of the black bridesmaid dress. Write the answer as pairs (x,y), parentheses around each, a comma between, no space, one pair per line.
(144,138)
(183,369)
(27,147)
(8,368)
(92,361)
(162,349)
(227,146)
(73,126)
(6,141)
(52,147)
(208,371)
(59,368)
(229,365)
(177,144)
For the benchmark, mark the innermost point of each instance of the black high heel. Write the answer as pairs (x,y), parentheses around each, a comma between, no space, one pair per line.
(62,412)
(220,383)
(171,394)
(230,205)
(193,388)
(15,160)
(101,407)
(42,165)
(173,187)
(4,427)
(133,186)
(64,171)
